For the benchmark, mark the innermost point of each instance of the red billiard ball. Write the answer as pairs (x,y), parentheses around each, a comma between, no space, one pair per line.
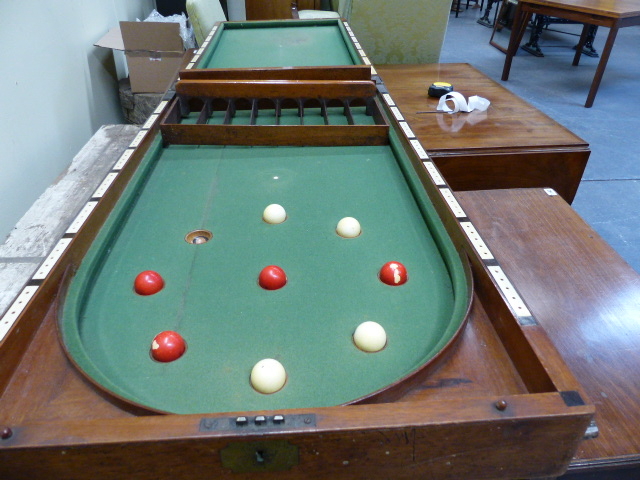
(272,278)
(393,273)
(148,283)
(167,346)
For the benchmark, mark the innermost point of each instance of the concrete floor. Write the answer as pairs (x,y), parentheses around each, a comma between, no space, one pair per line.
(609,194)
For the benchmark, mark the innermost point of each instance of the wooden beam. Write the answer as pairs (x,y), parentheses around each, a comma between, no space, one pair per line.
(343,72)
(298,135)
(276,88)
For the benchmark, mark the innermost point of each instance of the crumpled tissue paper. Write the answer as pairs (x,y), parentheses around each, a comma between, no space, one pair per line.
(460,104)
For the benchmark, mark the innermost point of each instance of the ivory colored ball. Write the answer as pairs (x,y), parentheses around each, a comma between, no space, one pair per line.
(370,337)
(268,376)
(348,227)
(274,214)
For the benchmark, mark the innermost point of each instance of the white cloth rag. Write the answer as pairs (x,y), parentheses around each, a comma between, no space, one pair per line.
(460,104)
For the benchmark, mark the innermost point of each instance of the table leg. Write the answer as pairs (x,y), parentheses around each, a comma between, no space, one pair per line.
(484,20)
(520,21)
(581,42)
(602,64)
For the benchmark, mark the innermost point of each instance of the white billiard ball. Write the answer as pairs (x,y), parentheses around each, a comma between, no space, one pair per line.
(370,337)
(348,227)
(274,214)
(268,376)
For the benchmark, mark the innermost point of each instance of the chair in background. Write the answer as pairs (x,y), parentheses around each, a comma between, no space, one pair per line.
(203,15)
(411,31)
(484,20)
(458,2)
(299,9)
(310,9)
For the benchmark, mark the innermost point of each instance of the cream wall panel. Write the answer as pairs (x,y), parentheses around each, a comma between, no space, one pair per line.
(403,31)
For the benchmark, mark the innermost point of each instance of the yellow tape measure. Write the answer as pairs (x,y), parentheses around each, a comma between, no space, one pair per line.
(438,89)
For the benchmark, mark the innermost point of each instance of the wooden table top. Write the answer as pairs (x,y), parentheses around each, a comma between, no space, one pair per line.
(509,122)
(608,8)
(584,295)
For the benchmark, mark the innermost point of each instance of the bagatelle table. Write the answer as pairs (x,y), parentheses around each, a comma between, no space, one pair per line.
(323,42)
(486,405)
(212,296)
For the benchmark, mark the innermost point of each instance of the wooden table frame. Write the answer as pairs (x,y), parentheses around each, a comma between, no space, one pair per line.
(605,13)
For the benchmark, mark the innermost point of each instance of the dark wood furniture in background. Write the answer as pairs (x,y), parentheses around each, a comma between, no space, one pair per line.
(511,145)
(604,13)
(456,5)
(278,9)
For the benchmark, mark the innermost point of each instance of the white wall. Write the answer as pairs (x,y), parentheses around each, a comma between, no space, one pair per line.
(237,10)
(56,90)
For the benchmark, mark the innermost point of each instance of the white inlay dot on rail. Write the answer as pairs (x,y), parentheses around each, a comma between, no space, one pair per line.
(152,118)
(138,138)
(476,240)
(453,203)
(82,217)
(104,186)
(509,292)
(52,259)
(124,158)
(16,308)
(417,147)
(396,113)
(435,174)
(406,129)
(161,106)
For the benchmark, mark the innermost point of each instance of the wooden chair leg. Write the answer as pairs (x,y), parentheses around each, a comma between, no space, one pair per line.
(457,8)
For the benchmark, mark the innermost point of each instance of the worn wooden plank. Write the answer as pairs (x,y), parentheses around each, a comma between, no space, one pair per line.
(44,223)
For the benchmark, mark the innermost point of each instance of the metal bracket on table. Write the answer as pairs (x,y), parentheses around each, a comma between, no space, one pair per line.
(257,423)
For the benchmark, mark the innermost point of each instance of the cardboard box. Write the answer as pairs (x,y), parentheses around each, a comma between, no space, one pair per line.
(154,52)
